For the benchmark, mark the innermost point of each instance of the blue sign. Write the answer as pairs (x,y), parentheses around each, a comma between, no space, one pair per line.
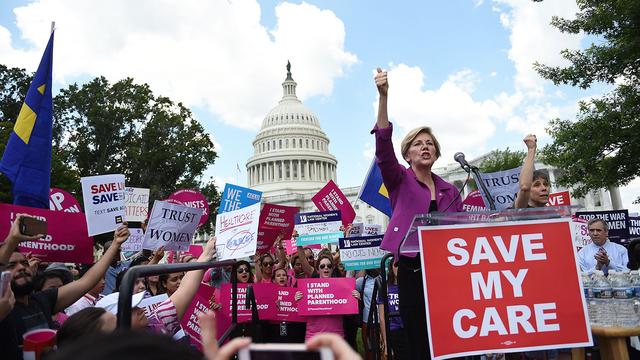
(236,197)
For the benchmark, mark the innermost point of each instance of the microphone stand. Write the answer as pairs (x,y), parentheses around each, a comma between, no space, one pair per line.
(478,177)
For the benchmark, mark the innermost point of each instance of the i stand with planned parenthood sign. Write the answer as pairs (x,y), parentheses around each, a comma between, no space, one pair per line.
(512,283)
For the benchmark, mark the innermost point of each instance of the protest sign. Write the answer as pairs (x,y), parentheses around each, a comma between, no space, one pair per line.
(265,300)
(616,219)
(474,202)
(60,200)
(634,227)
(198,305)
(171,226)
(150,304)
(503,186)
(371,229)
(136,202)
(561,198)
(135,240)
(266,238)
(278,217)
(103,202)
(193,199)
(236,197)
(66,241)
(581,236)
(194,250)
(360,253)
(331,198)
(327,296)
(291,247)
(356,229)
(286,308)
(502,287)
(237,232)
(318,227)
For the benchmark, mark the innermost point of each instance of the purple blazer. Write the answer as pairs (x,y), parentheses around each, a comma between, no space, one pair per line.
(408,195)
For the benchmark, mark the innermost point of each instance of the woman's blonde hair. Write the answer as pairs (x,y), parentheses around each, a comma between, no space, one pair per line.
(406,142)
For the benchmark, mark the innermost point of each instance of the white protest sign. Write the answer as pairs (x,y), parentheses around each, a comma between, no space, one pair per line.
(135,240)
(136,201)
(103,202)
(371,229)
(171,226)
(237,232)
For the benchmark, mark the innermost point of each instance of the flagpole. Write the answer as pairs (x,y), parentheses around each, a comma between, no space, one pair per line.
(53,26)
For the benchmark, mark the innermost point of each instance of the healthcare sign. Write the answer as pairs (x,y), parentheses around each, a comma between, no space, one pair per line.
(103,202)
(237,232)
(497,288)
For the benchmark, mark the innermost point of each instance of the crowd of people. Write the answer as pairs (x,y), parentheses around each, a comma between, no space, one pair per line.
(81,304)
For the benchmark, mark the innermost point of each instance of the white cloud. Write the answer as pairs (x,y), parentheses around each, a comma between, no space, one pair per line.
(534,39)
(629,193)
(369,151)
(199,52)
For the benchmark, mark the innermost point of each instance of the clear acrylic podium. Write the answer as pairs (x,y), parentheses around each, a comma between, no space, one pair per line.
(410,243)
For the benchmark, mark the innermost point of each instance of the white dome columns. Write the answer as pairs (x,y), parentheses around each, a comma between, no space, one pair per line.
(271,171)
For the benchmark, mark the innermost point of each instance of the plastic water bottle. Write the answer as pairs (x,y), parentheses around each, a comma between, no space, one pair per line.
(634,278)
(604,313)
(587,286)
(622,299)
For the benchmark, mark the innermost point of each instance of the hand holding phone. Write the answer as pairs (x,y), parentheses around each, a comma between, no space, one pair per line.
(31,226)
(283,352)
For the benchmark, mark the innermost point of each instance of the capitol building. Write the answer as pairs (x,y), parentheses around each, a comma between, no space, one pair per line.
(291,162)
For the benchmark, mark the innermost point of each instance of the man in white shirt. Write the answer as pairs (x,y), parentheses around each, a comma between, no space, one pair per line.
(602,254)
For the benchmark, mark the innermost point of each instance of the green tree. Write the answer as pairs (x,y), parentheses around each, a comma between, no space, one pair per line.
(600,148)
(123,128)
(498,160)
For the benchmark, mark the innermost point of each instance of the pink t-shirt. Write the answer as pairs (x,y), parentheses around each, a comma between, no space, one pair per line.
(266,281)
(319,324)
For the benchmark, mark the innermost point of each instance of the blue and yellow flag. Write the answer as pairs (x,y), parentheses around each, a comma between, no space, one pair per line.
(373,191)
(27,158)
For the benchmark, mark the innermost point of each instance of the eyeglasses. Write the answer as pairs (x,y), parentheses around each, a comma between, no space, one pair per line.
(328,266)
(242,270)
(267,264)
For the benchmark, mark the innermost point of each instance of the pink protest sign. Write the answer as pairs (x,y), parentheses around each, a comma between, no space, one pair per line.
(195,250)
(331,198)
(291,247)
(266,238)
(60,200)
(201,303)
(278,217)
(194,199)
(328,296)
(66,241)
(244,315)
(265,294)
(286,307)
(473,202)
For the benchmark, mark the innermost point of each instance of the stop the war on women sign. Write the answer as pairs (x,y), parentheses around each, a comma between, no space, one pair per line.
(104,206)
(502,287)
(171,226)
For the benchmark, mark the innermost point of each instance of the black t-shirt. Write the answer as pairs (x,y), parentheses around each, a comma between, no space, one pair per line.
(23,318)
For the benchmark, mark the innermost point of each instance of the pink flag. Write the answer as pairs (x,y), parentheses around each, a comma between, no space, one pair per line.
(278,217)
(331,198)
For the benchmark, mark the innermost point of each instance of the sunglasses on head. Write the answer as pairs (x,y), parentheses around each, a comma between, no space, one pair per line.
(242,270)
(328,266)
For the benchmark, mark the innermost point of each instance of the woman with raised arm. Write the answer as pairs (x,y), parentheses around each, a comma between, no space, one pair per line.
(413,190)
(534,184)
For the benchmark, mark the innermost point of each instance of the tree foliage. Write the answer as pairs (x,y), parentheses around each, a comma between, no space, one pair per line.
(499,160)
(600,148)
(102,128)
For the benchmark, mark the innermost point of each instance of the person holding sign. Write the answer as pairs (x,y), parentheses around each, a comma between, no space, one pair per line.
(330,323)
(534,184)
(414,190)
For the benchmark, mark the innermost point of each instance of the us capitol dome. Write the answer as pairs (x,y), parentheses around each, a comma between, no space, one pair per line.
(291,160)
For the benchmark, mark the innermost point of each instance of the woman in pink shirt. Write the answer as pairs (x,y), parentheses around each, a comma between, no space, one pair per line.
(264,268)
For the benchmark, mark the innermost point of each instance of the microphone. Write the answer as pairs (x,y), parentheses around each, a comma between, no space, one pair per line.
(459,158)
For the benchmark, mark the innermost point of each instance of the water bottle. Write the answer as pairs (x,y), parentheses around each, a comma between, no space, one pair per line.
(587,286)
(604,314)
(634,278)
(622,299)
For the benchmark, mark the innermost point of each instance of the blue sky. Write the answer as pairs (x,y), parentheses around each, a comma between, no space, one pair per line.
(463,67)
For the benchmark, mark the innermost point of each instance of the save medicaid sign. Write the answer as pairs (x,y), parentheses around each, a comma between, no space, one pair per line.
(502,287)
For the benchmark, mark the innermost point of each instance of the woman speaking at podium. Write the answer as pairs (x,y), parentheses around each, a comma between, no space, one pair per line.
(412,190)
